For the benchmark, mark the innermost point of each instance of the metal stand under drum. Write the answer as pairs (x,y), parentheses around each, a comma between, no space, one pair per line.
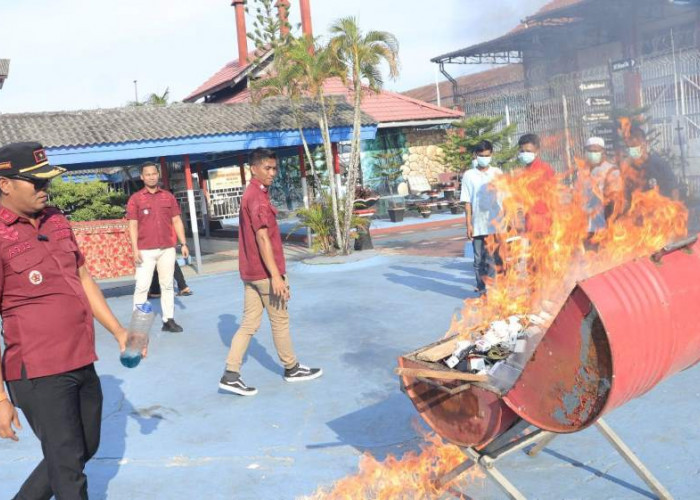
(516,438)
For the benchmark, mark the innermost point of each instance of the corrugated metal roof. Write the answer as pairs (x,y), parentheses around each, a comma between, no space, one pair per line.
(474,83)
(142,123)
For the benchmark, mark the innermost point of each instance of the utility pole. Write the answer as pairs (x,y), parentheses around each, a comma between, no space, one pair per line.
(136,91)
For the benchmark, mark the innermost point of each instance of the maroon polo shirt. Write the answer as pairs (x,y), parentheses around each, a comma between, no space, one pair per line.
(154,213)
(46,317)
(256,213)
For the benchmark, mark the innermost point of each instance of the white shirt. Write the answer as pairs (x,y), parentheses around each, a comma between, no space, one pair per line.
(603,180)
(478,191)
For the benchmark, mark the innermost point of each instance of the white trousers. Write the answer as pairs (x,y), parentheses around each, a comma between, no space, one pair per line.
(162,259)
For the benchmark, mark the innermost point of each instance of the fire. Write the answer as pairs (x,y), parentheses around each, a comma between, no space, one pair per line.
(541,269)
(539,272)
(413,476)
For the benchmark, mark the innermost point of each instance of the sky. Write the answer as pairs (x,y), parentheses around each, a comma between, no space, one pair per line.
(85,54)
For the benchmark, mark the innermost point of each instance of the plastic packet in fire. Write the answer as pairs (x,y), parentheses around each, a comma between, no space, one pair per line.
(458,354)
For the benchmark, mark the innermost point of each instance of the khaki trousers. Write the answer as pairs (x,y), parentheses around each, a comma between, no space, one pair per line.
(258,298)
(164,260)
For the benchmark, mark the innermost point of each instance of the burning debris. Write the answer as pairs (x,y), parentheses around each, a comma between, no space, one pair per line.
(501,351)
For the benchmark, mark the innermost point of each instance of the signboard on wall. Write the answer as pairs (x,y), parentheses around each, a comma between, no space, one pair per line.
(225,178)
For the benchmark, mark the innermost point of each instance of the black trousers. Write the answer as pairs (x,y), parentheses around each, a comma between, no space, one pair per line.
(65,413)
(179,279)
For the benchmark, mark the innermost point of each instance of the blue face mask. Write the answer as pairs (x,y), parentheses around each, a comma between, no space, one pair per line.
(526,158)
(635,153)
(483,161)
(594,158)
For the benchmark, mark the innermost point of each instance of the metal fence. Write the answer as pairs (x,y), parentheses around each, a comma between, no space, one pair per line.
(572,107)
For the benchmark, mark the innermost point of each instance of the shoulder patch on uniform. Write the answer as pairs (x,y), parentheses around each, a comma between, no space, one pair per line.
(8,232)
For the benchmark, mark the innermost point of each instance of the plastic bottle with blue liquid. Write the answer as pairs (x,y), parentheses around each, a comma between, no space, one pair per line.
(139,327)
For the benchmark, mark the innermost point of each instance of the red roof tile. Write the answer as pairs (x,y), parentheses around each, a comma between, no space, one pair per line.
(221,78)
(385,106)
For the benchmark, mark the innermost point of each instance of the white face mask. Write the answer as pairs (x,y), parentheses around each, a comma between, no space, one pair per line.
(526,158)
(635,153)
(594,157)
(483,161)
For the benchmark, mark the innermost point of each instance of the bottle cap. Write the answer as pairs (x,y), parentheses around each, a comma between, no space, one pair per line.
(145,307)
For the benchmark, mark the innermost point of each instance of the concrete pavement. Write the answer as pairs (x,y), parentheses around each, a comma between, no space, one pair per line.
(168,433)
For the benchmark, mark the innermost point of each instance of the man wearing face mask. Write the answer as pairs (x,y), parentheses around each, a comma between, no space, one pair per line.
(482,212)
(537,174)
(645,170)
(600,184)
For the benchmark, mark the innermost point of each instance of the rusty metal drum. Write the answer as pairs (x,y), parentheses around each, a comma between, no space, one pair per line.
(619,334)
(463,414)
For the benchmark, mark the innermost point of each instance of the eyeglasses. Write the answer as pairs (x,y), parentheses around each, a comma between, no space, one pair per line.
(39,184)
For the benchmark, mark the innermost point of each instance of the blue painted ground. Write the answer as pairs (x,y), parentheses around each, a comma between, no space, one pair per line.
(169,434)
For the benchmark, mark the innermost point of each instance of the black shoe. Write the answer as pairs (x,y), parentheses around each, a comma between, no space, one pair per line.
(231,382)
(171,326)
(299,373)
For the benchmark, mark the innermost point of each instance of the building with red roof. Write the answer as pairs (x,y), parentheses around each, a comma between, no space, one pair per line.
(398,116)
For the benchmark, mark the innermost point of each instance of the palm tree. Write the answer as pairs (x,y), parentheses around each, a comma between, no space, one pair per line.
(361,56)
(159,99)
(314,64)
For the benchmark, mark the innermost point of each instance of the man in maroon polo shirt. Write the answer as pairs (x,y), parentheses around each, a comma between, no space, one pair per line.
(263,271)
(155,226)
(47,302)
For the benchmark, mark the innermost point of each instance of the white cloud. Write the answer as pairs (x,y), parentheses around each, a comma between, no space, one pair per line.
(72,54)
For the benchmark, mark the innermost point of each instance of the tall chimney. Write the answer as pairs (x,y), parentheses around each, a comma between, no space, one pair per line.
(241,32)
(306,17)
(283,9)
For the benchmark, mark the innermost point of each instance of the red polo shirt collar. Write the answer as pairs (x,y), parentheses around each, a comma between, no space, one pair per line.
(259,185)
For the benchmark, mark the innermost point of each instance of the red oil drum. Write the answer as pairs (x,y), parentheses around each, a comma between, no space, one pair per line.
(466,416)
(618,335)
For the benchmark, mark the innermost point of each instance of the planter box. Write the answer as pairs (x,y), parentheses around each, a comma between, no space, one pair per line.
(396,214)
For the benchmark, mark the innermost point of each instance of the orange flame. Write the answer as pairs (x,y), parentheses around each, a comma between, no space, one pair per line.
(415,475)
(541,269)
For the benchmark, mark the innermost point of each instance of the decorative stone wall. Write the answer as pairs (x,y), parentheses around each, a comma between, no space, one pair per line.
(423,154)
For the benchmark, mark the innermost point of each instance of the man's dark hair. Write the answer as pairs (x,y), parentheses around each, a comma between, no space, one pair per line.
(638,133)
(148,164)
(483,146)
(260,154)
(533,139)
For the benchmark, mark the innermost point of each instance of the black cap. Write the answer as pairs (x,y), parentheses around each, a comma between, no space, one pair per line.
(28,160)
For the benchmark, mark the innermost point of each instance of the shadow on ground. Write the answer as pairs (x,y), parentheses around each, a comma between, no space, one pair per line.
(389,427)
(228,325)
(116,412)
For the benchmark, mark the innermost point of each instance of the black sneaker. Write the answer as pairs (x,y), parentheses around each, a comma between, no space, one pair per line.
(231,382)
(171,326)
(299,373)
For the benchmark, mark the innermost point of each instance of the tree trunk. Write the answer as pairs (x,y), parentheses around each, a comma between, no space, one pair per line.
(354,163)
(307,151)
(323,123)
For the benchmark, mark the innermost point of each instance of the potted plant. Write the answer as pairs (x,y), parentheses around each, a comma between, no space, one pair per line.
(389,167)
(365,198)
(425,210)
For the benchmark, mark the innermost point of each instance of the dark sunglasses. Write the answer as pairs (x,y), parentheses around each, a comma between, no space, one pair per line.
(39,184)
